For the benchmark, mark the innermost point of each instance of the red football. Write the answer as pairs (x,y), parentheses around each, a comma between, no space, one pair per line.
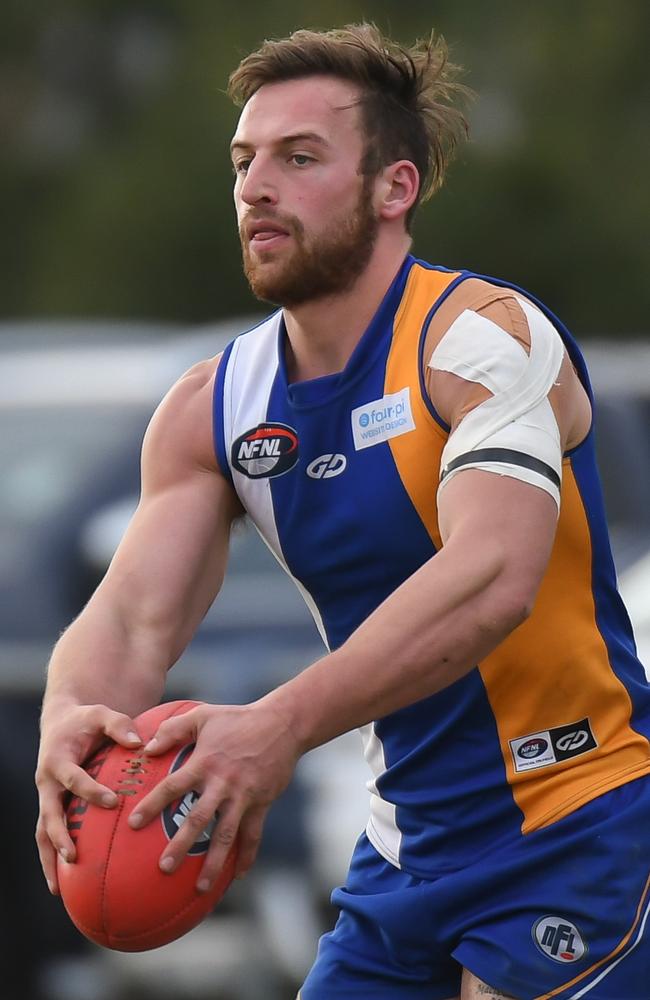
(115,892)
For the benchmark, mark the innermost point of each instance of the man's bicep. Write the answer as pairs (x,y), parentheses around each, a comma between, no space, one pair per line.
(171,561)
(496,395)
(516,519)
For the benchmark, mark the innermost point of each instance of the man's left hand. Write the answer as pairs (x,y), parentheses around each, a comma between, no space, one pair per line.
(243,759)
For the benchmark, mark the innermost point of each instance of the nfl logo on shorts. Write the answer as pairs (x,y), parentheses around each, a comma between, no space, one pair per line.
(559,939)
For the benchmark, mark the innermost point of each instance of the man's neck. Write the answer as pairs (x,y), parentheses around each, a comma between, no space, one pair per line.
(323,334)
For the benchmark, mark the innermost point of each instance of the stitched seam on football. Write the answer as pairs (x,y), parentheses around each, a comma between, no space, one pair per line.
(178,710)
(104,894)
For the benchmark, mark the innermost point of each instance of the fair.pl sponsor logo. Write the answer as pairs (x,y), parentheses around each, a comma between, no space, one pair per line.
(382,414)
(382,419)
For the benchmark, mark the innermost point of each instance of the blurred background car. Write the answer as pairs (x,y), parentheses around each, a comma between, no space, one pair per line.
(620,374)
(635,588)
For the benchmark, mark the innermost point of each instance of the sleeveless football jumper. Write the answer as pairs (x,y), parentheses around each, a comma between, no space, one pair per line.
(339,475)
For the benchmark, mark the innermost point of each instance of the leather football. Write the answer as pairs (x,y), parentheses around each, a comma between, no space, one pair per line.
(115,892)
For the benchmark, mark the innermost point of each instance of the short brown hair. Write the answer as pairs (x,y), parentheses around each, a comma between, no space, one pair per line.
(407,94)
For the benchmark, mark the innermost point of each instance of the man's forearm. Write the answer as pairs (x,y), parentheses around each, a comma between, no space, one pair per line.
(430,632)
(99,661)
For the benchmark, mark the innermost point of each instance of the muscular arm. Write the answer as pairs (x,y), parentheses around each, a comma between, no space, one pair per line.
(111,662)
(448,616)
(497,532)
(166,571)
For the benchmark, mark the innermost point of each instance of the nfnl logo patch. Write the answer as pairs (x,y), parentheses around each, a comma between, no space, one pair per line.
(550,746)
(265,451)
(559,939)
(174,815)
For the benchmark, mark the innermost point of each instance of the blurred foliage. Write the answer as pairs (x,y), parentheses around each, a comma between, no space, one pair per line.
(115,180)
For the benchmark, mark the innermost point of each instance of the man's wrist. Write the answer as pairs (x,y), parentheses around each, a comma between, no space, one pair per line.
(55,707)
(286,703)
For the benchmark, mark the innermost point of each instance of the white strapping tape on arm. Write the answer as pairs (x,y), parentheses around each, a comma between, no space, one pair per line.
(514,432)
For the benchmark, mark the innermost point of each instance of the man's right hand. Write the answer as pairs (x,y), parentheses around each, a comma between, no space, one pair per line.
(67,740)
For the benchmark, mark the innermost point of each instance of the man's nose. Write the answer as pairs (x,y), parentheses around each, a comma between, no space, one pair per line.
(257,185)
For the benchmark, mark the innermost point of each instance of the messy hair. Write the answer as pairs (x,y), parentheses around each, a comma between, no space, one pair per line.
(411,101)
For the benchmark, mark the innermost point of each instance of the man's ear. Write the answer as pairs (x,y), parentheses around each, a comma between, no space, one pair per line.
(397,189)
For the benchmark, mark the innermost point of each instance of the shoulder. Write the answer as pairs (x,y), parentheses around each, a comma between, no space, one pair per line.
(466,316)
(502,305)
(181,426)
(191,391)
(491,325)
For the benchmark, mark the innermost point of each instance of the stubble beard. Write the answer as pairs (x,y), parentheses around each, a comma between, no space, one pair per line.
(324,265)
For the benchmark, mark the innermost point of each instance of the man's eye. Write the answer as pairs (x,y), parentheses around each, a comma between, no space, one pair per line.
(301,159)
(241,166)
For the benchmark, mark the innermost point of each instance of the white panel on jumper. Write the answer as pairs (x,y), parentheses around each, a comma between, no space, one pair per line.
(251,371)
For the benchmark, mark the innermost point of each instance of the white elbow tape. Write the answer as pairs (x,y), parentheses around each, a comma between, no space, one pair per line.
(514,432)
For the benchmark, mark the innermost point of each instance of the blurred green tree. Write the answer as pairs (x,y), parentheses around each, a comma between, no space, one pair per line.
(115,180)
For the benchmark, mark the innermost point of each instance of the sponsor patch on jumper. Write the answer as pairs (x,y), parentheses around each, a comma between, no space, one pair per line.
(265,451)
(552,746)
(382,419)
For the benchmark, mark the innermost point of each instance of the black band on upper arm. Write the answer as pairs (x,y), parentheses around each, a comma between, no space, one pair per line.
(505,455)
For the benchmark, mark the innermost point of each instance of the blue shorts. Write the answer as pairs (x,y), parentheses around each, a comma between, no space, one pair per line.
(559,914)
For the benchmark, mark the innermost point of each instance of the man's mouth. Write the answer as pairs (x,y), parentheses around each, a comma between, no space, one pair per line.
(268,234)
(265,233)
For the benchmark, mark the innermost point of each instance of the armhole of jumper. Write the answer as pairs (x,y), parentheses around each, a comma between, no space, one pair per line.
(218,414)
(423,337)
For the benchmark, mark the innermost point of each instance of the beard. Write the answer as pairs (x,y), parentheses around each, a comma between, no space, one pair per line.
(321,265)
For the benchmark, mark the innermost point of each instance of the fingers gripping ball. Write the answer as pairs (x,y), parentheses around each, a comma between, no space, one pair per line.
(115,892)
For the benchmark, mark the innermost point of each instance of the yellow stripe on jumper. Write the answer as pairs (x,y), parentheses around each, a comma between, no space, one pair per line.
(417,453)
(554,670)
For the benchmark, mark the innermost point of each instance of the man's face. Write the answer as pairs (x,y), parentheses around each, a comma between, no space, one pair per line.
(306,219)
